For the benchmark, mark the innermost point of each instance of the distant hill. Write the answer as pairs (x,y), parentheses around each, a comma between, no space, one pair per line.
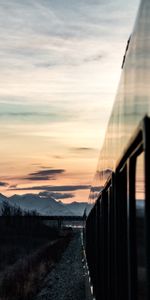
(45,205)
(2,199)
(79,207)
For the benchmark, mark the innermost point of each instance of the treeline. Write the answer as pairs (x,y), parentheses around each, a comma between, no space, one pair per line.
(16,222)
(9,210)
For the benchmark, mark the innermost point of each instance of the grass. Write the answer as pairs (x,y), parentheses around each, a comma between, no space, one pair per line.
(29,249)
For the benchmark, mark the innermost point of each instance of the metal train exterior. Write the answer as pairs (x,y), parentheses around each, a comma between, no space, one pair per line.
(118,226)
(113,228)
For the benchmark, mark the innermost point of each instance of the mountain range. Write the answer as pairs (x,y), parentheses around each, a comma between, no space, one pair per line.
(45,205)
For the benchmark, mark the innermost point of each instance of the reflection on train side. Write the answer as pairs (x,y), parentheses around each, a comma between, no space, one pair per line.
(132,99)
(118,226)
(140,229)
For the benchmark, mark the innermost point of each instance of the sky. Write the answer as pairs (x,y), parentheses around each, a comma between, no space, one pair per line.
(60,64)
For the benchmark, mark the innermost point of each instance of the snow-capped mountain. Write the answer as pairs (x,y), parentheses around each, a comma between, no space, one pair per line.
(45,205)
(2,200)
(79,208)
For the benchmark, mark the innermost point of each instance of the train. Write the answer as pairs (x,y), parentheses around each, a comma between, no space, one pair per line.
(117,231)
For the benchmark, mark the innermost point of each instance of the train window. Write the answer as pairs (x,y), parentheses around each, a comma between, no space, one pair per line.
(140,229)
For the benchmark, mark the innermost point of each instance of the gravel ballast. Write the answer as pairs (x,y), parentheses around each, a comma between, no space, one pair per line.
(66,281)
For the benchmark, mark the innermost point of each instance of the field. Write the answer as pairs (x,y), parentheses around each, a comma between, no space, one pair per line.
(28,250)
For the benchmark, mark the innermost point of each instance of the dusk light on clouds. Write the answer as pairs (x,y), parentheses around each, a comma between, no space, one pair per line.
(60,64)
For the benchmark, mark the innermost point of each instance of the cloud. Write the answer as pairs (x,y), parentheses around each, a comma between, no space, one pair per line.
(83,149)
(39,178)
(58,156)
(3,183)
(56,195)
(94,192)
(46,113)
(87,152)
(46,167)
(55,40)
(96,189)
(48,174)
(93,58)
(40,175)
(40,63)
(94,196)
(61,188)
(104,173)
(13,186)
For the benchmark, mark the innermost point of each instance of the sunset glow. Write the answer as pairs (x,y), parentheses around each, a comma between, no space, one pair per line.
(60,64)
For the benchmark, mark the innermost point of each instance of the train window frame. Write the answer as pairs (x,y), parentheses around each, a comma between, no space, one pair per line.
(125,168)
(121,288)
(139,143)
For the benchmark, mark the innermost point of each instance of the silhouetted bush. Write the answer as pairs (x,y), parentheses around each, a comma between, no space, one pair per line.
(9,210)
(28,249)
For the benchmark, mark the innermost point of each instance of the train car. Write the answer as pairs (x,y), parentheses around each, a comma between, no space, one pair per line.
(118,226)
